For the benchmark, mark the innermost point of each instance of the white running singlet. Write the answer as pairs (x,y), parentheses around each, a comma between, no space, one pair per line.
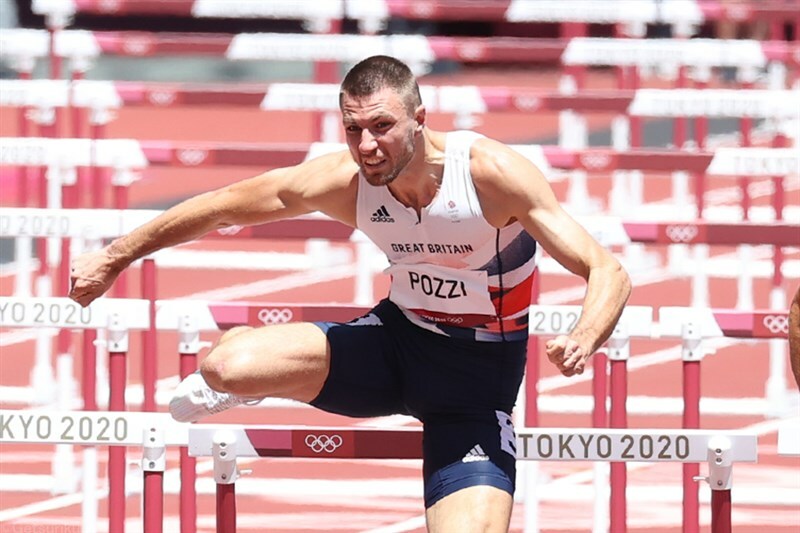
(451,271)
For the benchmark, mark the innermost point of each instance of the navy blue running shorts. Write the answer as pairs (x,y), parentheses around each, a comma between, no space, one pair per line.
(462,391)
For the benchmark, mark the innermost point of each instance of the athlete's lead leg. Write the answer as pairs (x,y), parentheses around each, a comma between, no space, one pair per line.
(248,364)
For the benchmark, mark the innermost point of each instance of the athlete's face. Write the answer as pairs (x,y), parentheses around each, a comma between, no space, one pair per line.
(381,134)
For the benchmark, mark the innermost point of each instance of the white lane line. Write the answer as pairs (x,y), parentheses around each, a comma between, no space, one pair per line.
(406,525)
(44,506)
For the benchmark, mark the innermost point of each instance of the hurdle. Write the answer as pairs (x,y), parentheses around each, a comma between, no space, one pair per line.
(415,49)
(720,450)
(192,317)
(115,429)
(466,101)
(119,317)
(763,162)
(682,16)
(789,438)
(609,231)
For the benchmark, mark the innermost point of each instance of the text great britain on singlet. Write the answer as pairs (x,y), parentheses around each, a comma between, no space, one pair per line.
(433,248)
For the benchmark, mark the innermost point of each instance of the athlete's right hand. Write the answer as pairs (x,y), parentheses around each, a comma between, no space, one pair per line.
(91,274)
(567,354)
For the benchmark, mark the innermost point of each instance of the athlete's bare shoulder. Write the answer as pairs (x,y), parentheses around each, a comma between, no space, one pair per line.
(501,176)
(328,183)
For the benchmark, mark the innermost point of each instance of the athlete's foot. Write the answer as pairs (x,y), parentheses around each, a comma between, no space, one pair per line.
(194,399)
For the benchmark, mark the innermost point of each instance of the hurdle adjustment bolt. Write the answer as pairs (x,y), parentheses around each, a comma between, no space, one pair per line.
(718,450)
(152,464)
(223,454)
(224,476)
(719,483)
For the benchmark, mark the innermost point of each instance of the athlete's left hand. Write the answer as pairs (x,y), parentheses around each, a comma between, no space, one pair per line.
(568,356)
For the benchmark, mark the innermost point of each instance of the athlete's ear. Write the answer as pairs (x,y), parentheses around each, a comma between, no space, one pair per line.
(419,116)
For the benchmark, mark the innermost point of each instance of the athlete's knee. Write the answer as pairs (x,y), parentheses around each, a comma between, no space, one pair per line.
(227,363)
(233,332)
(474,509)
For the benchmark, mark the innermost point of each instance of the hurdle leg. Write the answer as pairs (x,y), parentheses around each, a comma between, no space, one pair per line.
(225,474)
(117,350)
(720,511)
(188,348)
(149,337)
(154,463)
(618,354)
(692,354)
(600,420)
(720,478)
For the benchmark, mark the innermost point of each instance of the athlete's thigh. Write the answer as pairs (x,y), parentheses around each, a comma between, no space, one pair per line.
(463,451)
(285,360)
(363,378)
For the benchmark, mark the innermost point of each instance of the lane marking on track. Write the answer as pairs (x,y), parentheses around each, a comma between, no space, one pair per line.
(406,525)
(45,506)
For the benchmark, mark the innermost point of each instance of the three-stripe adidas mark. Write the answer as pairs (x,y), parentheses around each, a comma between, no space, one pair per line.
(381,215)
(475,454)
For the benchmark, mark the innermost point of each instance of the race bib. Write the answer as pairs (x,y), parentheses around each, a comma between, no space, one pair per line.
(441,290)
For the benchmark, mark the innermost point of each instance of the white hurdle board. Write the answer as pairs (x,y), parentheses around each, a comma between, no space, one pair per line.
(714,103)
(103,428)
(66,313)
(59,93)
(654,52)
(72,223)
(69,153)
(539,444)
(636,321)
(789,437)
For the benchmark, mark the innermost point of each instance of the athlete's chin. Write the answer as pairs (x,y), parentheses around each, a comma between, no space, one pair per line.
(379,179)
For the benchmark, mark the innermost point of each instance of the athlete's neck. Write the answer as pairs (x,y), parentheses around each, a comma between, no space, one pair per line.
(418,183)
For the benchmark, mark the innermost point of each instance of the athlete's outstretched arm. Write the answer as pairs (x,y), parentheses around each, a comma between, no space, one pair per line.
(506,179)
(323,184)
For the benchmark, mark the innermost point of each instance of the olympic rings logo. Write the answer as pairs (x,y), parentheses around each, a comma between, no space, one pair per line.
(527,103)
(323,443)
(595,160)
(162,97)
(472,50)
(681,233)
(192,157)
(776,324)
(275,316)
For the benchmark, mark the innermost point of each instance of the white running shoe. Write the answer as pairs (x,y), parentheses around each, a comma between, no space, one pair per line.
(194,399)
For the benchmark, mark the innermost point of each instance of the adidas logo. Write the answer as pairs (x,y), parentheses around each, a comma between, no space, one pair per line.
(381,215)
(475,454)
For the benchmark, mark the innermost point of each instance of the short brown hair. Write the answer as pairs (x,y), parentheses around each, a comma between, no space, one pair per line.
(381,72)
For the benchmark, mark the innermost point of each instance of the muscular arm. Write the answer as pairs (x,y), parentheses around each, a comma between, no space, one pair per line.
(325,184)
(794,336)
(512,188)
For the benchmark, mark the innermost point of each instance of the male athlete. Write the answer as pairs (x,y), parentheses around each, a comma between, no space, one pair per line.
(459,217)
